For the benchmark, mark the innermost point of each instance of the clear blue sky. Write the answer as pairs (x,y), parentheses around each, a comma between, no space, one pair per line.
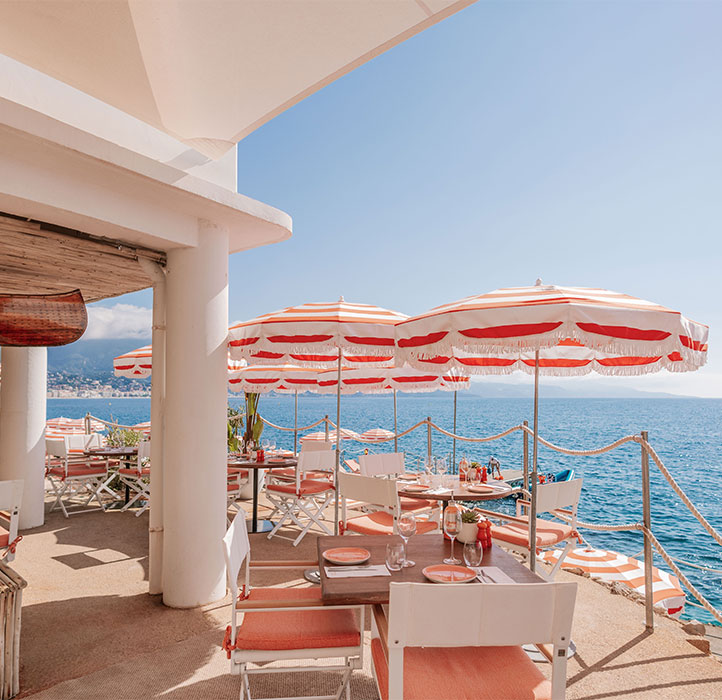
(574,141)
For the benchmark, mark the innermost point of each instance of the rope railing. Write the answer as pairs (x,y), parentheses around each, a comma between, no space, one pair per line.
(111,424)
(299,429)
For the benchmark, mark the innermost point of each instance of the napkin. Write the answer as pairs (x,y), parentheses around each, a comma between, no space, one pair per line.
(438,491)
(356,571)
(492,574)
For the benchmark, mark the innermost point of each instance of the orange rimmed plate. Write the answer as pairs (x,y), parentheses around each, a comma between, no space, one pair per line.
(347,555)
(277,460)
(407,477)
(480,488)
(449,573)
(415,488)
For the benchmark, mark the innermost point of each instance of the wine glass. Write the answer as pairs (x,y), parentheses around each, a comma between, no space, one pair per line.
(441,467)
(395,556)
(407,529)
(452,527)
(473,553)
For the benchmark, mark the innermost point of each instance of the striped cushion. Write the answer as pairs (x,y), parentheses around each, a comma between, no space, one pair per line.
(548,533)
(307,487)
(382,523)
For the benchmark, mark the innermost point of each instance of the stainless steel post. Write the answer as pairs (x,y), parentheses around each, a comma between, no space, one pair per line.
(428,440)
(396,428)
(295,423)
(453,458)
(338,444)
(526,456)
(648,555)
(534,478)
(86,423)
(325,426)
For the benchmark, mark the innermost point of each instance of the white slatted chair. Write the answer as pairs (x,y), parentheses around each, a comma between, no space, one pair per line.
(465,640)
(237,479)
(74,477)
(11,496)
(514,533)
(280,624)
(381,496)
(303,501)
(393,464)
(137,478)
(316,445)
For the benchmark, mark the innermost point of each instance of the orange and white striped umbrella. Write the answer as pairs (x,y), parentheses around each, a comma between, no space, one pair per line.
(380,380)
(61,426)
(612,566)
(138,364)
(320,330)
(320,435)
(376,435)
(577,330)
(261,379)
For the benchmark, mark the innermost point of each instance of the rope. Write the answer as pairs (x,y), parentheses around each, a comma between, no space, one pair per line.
(683,496)
(583,453)
(601,527)
(112,425)
(468,439)
(279,427)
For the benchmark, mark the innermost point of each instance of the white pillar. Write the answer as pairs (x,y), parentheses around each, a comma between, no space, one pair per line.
(194,483)
(22,427)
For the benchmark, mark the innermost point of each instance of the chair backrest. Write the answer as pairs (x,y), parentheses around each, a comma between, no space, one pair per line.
(558,494)
(379,492)
(236,548)
(384,463)
(427,615)
(143,451)
(315,445)
(11,497)
(56,448)
(78,442)
(324,460)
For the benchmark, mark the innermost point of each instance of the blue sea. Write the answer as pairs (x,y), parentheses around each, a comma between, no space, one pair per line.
(686,433)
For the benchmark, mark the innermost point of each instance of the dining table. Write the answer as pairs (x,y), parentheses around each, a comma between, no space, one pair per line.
(120,454)
(269,463)
(425,550)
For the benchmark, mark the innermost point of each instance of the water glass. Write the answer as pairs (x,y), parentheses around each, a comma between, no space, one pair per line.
(395,556)
(452,527)
(407,529)
(473,553)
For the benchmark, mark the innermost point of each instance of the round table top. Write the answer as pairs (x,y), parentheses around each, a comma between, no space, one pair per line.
(111,451)
(248,464)
(459,492)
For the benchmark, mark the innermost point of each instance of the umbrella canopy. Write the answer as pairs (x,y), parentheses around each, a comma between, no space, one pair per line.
(585,329)
(61,426)
(261,379)
(320,436)
(612,566)
(380,380)
(319,329)
(138,364)
(376,434)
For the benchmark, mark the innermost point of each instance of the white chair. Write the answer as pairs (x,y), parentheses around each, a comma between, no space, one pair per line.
(468,637)
(11,496)
(137,478)
(381,497)
(560,497)
(278,624)
(304,499)
(73,477)
(316,445)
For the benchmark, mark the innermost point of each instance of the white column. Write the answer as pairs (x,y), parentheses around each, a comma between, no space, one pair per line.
(22,427)
(194,483)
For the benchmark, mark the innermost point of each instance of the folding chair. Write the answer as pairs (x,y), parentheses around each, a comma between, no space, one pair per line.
(11,496)
(393,464)
(468,637)
(304,499)
(515,533)
(237,479)
(278,624)
(381,496)
(137,478)
(74,477)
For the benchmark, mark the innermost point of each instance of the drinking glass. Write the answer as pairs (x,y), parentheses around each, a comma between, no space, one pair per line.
(452,527)
(395,556)
(473,553)
(407,529)
(441,467)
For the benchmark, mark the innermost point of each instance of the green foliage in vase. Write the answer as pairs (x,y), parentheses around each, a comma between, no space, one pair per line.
(469,516)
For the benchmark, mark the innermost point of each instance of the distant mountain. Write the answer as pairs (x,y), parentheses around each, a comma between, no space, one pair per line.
(571,389)
(90,358)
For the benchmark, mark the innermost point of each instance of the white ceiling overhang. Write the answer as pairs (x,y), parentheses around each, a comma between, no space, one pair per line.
(208,73)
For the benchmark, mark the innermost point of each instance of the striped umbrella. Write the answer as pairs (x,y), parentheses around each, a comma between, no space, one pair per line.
(612,566)
(376,435)
(261,379)
(321,329)
(508,328)
(138,364)
(61,426)
(320,435)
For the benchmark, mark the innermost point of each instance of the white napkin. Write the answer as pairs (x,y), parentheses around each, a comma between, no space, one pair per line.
(438,491)
(492,574)
(356,571)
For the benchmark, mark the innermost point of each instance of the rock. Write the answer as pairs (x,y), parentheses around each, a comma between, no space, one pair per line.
(694,627)
(618,588)
(575,570)
(701,644)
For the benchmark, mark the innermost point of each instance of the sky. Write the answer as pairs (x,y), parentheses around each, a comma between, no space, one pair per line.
(578,142)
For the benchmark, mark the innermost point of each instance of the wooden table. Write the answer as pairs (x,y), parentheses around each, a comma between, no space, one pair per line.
(123,454)
(254,467)
(458,492)
(423,549)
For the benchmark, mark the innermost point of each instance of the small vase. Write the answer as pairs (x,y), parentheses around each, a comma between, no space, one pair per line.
(468,532)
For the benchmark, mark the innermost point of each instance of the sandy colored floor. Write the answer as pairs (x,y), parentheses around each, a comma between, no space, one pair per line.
(91,631)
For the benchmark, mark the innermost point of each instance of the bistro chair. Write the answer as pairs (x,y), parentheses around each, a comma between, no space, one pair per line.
(468,637)
(556,498)
(381,498)
(71,477)
(281,624)
(137,478)
(11,496)
(303,501)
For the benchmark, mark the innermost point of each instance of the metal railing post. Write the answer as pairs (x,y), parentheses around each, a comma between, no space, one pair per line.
(428,440)
(87,423)
(325,425)
(647,521)
(295,423)
(453,458)
(526,456)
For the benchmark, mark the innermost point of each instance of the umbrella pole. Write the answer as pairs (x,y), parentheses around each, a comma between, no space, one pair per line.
(295,423)
(453,458)
(396,430)
(338,441)
(534,479)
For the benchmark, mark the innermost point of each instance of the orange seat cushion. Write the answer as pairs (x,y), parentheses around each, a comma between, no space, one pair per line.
(296,629)
(235,471)
(233,486)
(548,533)
(464,673)
(4,537)
(77,470)
(307,487)
(382,523)
(134,472)
(415,503)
